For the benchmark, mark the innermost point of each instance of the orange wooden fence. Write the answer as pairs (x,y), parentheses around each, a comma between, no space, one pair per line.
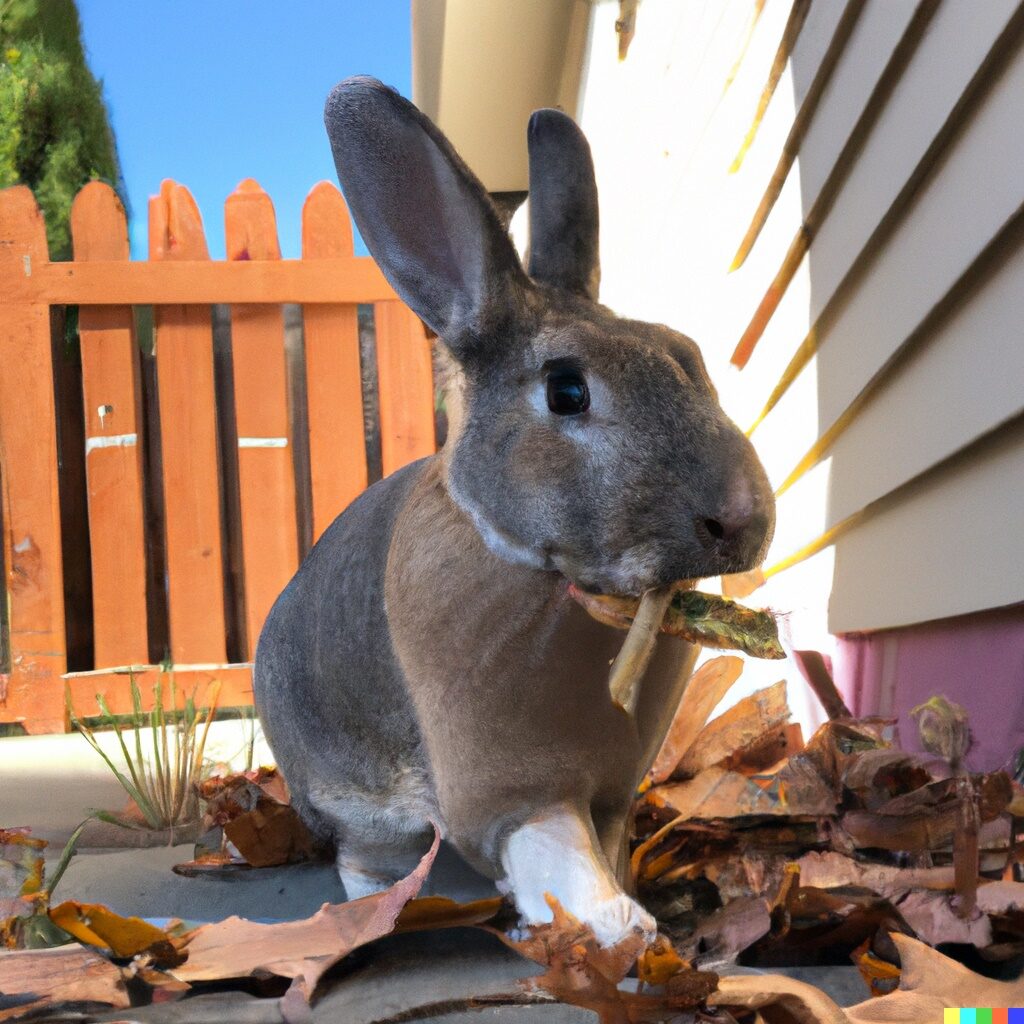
(181,283)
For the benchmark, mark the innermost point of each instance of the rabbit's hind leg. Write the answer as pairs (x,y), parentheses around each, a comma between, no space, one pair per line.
(379,837)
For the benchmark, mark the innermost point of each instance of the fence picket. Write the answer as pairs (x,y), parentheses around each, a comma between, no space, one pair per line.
(405,373)
(337,452)
(113,430)
(266,475)
(34,587)
(188,428)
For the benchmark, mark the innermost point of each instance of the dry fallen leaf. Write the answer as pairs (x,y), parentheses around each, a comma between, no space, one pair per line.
(929,982)
(706,688)
(830,870)
(47,977)
(96,925)
(429,912)
(660,962)
(582,973)
(879,975)
(300,950)
(742,726)
(270,834)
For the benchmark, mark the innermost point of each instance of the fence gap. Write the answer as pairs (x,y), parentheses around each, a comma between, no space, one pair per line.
(370,386)
(298,420)
(231,510)
(71,484)
(157,622)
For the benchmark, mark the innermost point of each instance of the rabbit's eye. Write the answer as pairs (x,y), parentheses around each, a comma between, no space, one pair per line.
(568,394)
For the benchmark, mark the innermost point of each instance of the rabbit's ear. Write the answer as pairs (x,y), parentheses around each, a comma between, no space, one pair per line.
(563,205)
(424,216)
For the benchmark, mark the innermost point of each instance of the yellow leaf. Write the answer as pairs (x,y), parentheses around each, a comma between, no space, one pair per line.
(95,925)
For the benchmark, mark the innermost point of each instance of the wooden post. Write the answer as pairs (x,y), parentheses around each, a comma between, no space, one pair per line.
(405,374)
(33,692)
(334,397)
(113,442)
(188,429)
(266,475)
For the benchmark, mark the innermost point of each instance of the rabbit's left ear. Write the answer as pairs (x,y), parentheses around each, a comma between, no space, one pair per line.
(563,205)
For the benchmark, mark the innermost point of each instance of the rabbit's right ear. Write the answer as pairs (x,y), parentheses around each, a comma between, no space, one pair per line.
(426,219)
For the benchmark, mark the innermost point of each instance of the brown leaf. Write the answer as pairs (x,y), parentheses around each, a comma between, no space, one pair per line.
(301,950)
(830,870)
(927,818)
(739,585)
(660,962)
(429,912)
(1001,897)
(706,688)
(583,973)
(930,982)
(876,776)
(801,1003)
(795,790)
(270,834)
(837,741)
(879,975)
(69,974)
(934,920)
(229,795)
(726,933)
(742,726)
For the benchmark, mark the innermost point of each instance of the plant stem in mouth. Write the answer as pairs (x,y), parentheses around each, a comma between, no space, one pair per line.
(631,663)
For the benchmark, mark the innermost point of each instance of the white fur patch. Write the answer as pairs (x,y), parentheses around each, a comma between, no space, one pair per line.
(498,542)
(557,852)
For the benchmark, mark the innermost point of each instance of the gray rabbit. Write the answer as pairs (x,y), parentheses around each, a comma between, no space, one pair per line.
(427,662)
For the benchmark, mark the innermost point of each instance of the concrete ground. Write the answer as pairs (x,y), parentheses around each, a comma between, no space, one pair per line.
(51,782)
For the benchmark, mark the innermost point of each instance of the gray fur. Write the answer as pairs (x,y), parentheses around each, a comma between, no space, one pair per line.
(426,662)
(564,222)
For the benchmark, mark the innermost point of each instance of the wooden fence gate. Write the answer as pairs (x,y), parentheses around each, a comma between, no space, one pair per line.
(151,546)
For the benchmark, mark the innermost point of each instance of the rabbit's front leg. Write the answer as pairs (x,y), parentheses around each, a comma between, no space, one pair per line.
(557,851)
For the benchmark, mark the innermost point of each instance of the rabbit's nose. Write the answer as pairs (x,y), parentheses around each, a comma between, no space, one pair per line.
(739,528)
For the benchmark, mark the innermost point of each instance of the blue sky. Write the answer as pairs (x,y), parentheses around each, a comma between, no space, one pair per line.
(209,92)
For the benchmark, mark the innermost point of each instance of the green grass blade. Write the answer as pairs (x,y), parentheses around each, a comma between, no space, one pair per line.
(65,858)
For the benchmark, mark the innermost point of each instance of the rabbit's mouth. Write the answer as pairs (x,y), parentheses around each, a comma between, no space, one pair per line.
(705,619)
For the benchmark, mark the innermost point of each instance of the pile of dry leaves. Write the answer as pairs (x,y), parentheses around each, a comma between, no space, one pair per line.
(750,844)
(756,845)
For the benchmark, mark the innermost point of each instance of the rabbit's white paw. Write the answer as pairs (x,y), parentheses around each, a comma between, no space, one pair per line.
(556,853)
(619,919)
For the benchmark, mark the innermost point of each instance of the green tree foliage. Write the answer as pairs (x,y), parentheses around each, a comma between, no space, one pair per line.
(54,132)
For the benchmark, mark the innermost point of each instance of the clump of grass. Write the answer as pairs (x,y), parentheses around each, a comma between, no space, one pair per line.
(166,755)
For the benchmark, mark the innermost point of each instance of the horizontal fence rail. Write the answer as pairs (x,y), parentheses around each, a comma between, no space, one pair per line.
(212,454)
